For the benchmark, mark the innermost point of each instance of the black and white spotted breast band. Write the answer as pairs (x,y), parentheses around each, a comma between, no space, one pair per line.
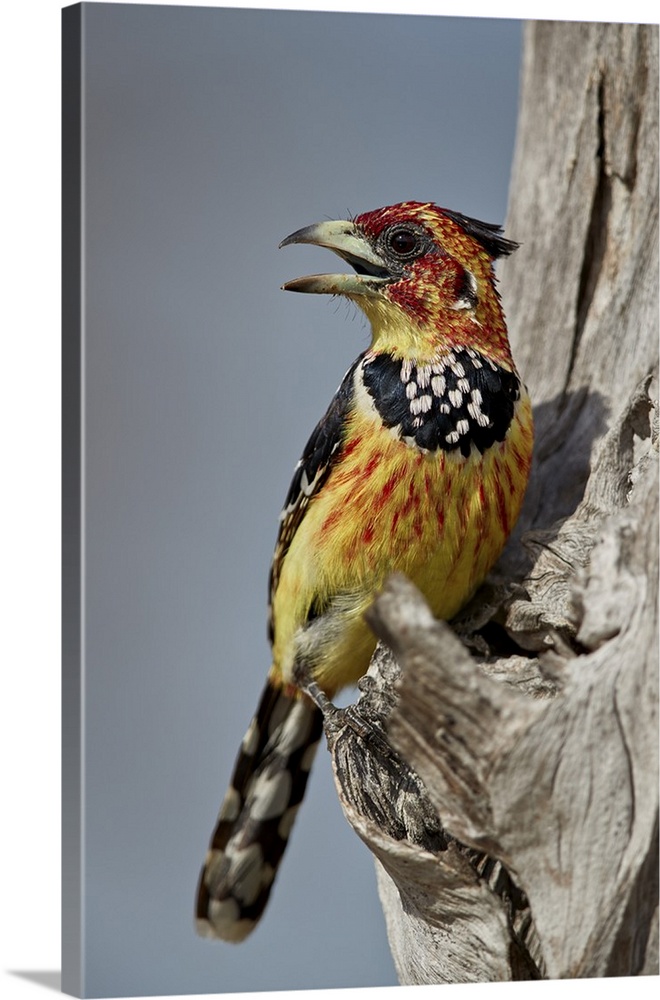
(459,400)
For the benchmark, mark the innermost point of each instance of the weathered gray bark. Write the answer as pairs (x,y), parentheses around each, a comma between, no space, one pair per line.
(508,783)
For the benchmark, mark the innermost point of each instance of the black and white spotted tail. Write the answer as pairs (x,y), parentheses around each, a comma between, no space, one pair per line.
(257,814)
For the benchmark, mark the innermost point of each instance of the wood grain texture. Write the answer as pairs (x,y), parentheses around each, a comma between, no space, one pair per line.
(507,782)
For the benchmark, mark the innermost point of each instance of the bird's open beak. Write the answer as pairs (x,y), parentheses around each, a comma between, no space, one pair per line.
(349,243)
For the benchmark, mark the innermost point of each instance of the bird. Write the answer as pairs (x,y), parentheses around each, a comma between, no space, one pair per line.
(419,465)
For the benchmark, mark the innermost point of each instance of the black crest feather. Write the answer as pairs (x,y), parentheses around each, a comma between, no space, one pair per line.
(487,233)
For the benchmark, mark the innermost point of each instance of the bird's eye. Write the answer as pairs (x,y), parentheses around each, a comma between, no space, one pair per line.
(404,242)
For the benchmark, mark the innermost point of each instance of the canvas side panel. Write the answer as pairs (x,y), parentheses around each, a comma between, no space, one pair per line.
(72,647)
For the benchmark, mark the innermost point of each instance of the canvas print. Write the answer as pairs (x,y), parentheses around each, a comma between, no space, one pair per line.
(360,486)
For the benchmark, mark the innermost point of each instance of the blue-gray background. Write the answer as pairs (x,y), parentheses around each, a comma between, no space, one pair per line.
(209,135)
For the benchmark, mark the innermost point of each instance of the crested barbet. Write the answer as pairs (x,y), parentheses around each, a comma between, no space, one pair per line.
(420,465)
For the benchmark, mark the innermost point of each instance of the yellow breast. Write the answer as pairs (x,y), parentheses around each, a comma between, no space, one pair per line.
(440,518)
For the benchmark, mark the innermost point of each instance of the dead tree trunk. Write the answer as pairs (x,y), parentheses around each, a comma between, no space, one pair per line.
(508,783)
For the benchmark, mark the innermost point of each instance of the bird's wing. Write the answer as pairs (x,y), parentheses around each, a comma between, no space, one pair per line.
(318,458)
